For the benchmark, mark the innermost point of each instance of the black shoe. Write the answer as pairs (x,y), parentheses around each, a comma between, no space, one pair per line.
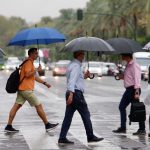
(64,142)
(120,130)
(10,129)
(140,132)
(50,126)
(95,139)
(148,134)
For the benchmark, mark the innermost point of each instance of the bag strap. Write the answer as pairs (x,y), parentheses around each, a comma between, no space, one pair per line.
(23,63)
(20,67)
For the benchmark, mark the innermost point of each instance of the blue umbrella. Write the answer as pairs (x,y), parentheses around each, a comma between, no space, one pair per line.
(36,35)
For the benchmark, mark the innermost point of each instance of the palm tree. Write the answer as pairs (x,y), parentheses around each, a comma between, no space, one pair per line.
(148,16)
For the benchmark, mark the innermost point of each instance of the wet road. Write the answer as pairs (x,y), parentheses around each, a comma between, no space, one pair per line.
(102,96)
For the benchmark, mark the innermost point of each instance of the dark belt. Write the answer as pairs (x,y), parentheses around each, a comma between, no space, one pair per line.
(78,91)
(130,87)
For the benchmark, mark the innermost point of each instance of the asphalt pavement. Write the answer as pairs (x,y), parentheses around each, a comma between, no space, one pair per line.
(102,95)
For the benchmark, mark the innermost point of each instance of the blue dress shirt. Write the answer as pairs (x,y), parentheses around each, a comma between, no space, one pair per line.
(75,77)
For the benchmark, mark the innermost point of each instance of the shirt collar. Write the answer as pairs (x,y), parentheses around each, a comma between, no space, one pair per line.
(131,62)
(30,59)
(77,61)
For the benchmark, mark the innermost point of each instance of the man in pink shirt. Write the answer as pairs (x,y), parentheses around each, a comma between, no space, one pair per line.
(132,79)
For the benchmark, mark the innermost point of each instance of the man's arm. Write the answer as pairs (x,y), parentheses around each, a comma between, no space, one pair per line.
(41,81)
(137,78)
(31,73)
(74,74)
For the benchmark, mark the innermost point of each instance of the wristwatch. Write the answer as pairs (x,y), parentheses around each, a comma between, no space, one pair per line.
(44,83)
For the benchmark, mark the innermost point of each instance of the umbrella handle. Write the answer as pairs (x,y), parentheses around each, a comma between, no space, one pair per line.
(39,60)
(116,77)
(92,76)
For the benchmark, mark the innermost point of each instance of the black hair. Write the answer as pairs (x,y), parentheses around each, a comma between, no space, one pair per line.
(127,55)
(31,50)
(77,53)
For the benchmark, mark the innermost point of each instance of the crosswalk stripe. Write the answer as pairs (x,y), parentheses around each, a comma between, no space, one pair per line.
(38,138)
(13,141)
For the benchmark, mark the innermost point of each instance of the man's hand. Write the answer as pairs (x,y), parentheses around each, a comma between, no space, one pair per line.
(39,68)
(121,76)
(87,74)
(48,85)
(137,94)
(70,99)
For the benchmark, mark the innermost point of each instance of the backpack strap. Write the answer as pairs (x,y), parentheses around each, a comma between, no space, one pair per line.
(20,67)
(23,63)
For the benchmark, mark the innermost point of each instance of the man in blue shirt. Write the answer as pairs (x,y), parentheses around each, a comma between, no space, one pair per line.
(75,100)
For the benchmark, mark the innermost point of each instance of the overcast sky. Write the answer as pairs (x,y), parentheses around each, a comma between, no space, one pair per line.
(33,10)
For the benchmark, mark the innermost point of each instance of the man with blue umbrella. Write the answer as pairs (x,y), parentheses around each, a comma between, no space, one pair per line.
(26,93)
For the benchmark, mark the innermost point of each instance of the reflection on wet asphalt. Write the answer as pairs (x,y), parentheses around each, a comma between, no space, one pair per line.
(12,141)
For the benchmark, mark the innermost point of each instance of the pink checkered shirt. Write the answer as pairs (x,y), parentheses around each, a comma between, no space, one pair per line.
(132,75)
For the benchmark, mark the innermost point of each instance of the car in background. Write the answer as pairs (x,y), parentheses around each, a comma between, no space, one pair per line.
(50,65)
(36,65)
(143,59)
(95,68)
(2,63)
(12,63)
(60,68)
(145,76)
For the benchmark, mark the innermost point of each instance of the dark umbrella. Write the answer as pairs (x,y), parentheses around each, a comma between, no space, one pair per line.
(88,44)
(124,45)
(36,35)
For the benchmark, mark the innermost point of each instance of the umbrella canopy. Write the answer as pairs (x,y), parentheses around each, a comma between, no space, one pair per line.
(124,45)
(147,46)
(36,35)
(1,51)
(88,44)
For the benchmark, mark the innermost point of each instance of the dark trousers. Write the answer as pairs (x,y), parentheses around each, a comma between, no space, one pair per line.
(80,105)
(127,98)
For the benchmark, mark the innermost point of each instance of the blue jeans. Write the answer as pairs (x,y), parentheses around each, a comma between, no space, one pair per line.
(127,98)
(80,105)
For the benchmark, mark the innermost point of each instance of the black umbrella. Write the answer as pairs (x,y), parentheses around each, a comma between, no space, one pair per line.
(88,44)
(124,45)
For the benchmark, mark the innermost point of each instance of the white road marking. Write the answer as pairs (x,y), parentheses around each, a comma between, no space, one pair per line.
(37,138)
